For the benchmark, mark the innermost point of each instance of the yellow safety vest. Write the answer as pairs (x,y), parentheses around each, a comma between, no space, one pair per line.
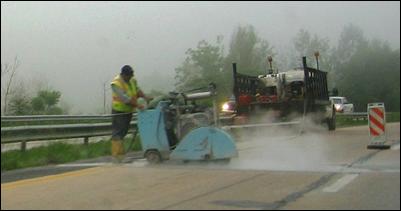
(130,89)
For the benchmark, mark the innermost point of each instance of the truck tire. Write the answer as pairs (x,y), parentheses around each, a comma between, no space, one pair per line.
(331,122)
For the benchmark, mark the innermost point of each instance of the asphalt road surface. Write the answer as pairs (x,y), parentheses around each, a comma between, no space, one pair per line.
(277,168)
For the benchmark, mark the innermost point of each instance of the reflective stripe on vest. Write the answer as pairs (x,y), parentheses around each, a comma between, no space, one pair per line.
(130,91)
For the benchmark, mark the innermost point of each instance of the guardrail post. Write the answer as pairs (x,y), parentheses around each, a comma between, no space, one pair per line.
(86,141)
(23,146)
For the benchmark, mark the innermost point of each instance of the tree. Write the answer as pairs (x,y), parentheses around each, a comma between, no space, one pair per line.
(249,51)
(38,105)
(201,66)
(50,98)
(11,70)
(306,45)
(351,40)
(207,63)
(45,102)
(19,103)
(372,74)
(366,71)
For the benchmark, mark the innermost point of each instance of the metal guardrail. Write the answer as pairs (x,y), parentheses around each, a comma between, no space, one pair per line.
(358,114)
(58,117)
(354,115)
(31,133)
(48,132)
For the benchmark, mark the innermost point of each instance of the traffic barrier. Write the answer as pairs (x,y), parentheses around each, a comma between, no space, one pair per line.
(377,126)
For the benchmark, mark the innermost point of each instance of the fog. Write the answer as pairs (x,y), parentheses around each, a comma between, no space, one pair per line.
(76,47)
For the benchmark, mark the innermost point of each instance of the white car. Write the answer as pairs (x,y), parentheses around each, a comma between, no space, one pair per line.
(342,105)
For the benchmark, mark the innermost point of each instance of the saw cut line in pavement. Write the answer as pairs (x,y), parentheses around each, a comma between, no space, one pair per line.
(280,203)
(212,191)
(293,196)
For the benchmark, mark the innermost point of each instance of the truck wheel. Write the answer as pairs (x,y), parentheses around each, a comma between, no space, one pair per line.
(153,157)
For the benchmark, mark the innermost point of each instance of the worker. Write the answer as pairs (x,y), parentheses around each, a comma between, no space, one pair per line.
(125,94)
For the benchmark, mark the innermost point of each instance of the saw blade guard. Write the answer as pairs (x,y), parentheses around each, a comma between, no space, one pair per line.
(205,143)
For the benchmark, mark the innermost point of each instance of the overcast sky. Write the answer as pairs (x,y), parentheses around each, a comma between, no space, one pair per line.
(76,46)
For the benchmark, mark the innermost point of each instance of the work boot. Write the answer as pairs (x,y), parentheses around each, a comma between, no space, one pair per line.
(121,150)
(117,150)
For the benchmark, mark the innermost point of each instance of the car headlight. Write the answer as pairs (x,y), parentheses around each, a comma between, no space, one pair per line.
(338,107)
(226,107)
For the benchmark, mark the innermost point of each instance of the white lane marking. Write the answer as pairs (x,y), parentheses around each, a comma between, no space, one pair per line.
(83,164)
(342,182)
(396,147)
(135,163)
(138,163)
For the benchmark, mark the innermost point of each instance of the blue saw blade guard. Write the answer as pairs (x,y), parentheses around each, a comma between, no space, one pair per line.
(205,143)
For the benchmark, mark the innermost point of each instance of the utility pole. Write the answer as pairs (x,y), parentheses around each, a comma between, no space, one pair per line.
(104,97)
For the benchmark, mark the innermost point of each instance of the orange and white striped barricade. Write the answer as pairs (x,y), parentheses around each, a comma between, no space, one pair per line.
(377,126)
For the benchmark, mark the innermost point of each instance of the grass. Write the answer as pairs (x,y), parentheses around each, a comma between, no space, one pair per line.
(58,153)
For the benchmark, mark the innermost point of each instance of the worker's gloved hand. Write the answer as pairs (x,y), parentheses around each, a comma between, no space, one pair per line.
(134,101)
(141,103)
(148,99)
(141,107)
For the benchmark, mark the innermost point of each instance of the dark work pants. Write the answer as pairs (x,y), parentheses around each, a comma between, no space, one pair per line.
(120,125)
